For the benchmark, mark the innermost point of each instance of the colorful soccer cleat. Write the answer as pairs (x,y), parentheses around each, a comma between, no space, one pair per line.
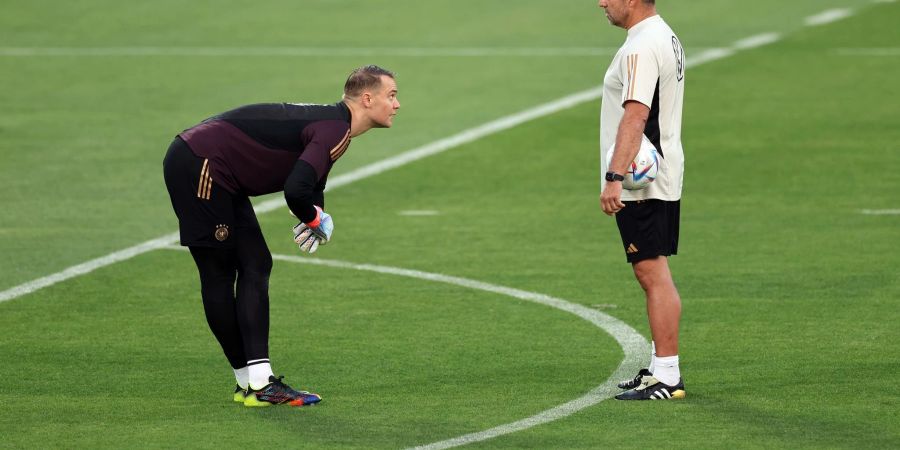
(239,394)
(636,381)
(653,389)
(278,393)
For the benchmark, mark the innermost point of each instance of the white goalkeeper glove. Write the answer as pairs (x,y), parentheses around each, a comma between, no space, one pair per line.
(317,232)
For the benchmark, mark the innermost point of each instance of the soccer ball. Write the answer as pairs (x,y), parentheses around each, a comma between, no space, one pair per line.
(643,169)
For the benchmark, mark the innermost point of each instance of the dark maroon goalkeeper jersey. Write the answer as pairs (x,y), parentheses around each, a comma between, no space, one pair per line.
(253,149)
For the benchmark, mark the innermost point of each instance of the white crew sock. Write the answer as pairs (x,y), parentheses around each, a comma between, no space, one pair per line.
(259,372)
(652,357)
(667,371)
(242,376)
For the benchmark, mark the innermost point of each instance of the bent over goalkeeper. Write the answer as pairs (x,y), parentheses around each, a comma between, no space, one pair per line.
(213,168)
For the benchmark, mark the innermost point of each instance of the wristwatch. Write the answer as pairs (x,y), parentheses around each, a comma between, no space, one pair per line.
(612,176)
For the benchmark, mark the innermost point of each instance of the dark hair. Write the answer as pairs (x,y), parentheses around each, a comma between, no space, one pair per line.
(363,78)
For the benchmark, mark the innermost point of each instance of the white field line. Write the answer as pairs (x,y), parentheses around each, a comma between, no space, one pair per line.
(757,41)
(635,347)
(376,168)
(442,145)
(828,16)
(87,267)
(880,212)
(495,126)
(713,54)
(306,51)
(353,176)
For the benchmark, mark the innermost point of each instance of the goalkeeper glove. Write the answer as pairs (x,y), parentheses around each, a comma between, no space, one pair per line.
(317,232)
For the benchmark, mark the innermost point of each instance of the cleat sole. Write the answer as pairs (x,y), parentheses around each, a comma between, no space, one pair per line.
(253,402)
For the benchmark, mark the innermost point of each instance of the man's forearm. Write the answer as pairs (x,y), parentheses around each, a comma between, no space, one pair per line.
(628,142)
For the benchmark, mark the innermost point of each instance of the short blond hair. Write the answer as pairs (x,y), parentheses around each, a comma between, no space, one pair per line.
(364,78)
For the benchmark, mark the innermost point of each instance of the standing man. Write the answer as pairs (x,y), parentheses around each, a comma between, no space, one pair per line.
(212,169)
(642,95)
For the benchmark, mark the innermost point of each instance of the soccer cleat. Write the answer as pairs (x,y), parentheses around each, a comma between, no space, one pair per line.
(636,381)
(278,393)
(653,389)
(239,394)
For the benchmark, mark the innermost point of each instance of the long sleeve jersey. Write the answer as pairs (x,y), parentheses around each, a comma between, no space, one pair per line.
(270,147)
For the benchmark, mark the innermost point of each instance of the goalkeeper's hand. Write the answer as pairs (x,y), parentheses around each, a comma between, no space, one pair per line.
(317,232)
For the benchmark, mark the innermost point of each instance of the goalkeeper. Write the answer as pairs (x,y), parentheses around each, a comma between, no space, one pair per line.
(213,168)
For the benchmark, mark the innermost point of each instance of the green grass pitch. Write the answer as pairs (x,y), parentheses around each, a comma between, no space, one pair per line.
(791,294)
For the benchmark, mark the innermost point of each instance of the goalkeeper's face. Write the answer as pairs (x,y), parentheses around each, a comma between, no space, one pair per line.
(384,103)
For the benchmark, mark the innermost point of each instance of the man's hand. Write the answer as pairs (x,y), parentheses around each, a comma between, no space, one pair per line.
(317,232)
(610,199)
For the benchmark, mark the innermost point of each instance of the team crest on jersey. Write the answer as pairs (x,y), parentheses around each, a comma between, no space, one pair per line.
(679,58)
(221,232)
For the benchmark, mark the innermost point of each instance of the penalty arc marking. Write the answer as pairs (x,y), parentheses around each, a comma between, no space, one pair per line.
(635,347)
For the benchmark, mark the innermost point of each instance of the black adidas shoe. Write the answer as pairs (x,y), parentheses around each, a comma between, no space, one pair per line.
(653,389)
(636,381)
(278,393)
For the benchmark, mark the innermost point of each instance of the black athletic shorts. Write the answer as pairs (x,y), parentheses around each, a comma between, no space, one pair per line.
(208,215)
(649,228)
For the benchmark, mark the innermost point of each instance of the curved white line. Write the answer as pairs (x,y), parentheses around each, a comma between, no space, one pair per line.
(635,347)
(633,344)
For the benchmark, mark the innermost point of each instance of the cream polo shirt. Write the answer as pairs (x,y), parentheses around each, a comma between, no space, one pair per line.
(648,68)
